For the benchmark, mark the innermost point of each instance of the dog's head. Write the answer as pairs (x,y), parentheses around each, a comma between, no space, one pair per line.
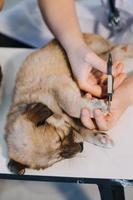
(39,138)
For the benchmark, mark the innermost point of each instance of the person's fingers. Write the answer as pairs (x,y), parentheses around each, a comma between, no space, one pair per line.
(95,90)
(117,68)
(118,80)
(98,63)
(85,119)
(103,80)
(95,61)
(88,85)
(92,79)
(100,120)
(110,120)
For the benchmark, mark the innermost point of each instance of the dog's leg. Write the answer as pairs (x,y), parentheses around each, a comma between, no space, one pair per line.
(68,97)
(70,100)
(16,168)
(96,137)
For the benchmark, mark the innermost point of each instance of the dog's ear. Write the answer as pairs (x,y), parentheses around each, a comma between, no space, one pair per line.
(16,167)
(36,112)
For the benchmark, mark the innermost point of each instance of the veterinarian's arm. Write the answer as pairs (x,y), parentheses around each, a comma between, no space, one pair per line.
(122,99)
(61,18)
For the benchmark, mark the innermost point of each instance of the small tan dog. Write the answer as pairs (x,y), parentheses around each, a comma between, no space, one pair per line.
(42,125)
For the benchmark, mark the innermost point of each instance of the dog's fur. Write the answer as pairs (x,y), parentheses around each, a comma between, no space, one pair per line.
(40,128)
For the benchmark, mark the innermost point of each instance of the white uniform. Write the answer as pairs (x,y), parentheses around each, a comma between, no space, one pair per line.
(24,21)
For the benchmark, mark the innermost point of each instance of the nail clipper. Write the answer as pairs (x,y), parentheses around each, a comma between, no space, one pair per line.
(109,82)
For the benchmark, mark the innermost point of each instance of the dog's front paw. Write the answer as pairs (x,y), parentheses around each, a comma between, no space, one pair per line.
(93,105)
(102,139)
(97,138)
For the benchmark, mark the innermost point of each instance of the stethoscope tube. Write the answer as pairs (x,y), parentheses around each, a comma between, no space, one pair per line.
(112,5)
(114,16)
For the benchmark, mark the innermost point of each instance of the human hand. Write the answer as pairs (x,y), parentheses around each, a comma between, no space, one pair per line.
(122,98)
(89,70)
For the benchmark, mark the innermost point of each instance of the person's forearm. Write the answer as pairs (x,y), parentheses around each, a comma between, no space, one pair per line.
(60,16)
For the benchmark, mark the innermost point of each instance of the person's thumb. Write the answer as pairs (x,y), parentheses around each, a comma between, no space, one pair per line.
(86,86)
(96,62)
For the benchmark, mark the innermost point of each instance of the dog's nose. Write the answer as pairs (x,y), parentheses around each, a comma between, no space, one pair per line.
(82,146)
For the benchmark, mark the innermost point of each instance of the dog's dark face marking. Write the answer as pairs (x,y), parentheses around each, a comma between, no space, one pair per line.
(69,148)
(41,138)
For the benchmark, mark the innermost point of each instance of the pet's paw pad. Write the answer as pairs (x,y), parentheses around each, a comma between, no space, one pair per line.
(98,138)
(103,140)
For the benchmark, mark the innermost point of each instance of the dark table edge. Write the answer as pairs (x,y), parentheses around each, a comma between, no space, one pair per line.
(10,42)
(56,179)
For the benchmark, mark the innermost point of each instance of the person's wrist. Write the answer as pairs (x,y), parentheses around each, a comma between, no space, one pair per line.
(72,43)
(77,49)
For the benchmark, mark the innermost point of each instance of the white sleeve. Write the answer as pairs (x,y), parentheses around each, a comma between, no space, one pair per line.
(24,22)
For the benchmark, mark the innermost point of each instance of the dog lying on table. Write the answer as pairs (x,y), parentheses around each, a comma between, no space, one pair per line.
(43,125)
